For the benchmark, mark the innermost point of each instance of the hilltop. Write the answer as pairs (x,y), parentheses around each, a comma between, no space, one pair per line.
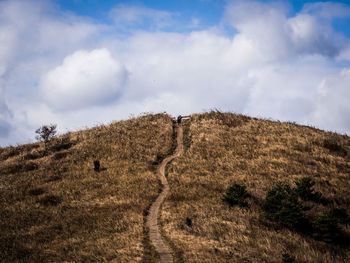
(55,207)
(225,149)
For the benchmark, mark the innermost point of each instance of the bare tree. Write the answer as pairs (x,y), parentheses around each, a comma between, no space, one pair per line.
(46,133)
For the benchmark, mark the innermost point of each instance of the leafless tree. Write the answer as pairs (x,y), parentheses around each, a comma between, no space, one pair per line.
(46,133)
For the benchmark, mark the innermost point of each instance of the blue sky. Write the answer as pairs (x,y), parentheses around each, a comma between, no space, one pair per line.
(81,63)
(209,12)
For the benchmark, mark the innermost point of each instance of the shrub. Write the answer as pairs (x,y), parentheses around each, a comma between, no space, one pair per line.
(46,132)
(326,226)
(236,195)
(340,215)
(304,189)
(188,221)
(282,205)
(97,165)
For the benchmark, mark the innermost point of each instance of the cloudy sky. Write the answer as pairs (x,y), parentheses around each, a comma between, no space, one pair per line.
(79,63)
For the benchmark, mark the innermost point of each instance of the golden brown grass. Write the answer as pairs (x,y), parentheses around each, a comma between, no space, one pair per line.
(55,207)
(225,148)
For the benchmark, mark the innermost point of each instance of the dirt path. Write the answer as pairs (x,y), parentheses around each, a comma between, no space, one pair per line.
(152,218)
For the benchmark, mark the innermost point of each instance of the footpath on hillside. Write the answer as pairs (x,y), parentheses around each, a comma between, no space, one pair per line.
(152,218)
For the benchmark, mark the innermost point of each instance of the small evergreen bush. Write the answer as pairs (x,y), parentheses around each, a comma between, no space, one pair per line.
(326,227)
(282,205)
(236,195)
(304,189)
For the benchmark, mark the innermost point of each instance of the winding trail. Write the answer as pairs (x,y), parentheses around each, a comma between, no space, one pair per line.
(152,218)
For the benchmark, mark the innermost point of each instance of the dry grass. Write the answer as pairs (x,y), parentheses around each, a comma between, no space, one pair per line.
(55,207)
(228,148)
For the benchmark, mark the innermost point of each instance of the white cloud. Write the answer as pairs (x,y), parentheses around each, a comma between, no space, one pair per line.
(279,37)
(84,79)
(287,68)
(264,25)
(327,10)
(332,104)
(311,36)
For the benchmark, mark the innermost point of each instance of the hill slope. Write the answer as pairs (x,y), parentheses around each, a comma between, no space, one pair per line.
(55,207)
(223,149)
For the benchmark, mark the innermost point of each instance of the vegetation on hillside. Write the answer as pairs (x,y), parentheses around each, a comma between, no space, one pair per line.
(287,164)
(56,205)
(245,190)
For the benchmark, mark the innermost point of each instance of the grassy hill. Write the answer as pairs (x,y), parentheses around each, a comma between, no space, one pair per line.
(55,207)
(223,149)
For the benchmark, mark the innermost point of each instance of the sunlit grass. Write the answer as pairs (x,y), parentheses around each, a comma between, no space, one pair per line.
(227,148)
(55,207)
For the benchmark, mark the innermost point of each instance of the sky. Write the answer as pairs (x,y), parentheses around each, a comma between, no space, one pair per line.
(81,63)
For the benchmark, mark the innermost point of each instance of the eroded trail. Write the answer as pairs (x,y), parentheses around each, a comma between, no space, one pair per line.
(152,218)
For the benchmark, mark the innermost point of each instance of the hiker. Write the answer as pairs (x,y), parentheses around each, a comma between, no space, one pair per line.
(179,119)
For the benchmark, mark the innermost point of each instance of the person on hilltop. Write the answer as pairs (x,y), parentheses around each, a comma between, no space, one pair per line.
(179,119)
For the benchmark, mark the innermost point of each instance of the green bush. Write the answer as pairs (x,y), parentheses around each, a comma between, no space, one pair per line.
(304,189)
(236,194)
(282,205)
(326,227)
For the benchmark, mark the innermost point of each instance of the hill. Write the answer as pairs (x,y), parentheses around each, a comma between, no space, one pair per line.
(55,207)
(224,149)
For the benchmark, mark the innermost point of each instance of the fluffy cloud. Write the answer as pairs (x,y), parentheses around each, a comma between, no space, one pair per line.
(76,73)
(327,10)
(332,105)
(280,37)
(84,79)
(34,36)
